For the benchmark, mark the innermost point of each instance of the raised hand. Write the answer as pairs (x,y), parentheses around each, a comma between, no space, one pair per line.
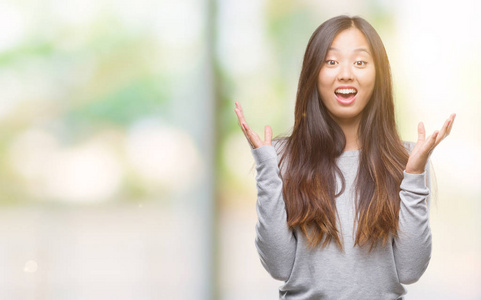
(252,137)
(424,147)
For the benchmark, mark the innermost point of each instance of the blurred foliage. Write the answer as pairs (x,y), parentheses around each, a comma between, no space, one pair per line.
(74,82)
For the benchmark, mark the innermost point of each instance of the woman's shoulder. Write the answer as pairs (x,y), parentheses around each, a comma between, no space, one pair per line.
(409,145)
(279,145)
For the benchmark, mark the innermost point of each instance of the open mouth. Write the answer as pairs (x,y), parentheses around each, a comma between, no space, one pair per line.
(346,96)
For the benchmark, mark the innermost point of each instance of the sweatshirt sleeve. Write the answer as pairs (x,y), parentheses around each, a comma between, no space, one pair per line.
(412,248)
(275,242)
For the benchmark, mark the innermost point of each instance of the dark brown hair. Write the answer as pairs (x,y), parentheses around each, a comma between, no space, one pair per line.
(310,152)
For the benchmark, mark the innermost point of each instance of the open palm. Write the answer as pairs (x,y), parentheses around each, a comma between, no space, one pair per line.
(424,147)
(253,138)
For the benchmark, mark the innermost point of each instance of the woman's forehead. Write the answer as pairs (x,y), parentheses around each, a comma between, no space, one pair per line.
(356,50)
(351,40)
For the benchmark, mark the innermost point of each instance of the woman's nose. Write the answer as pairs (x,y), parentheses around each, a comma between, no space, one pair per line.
(345,72)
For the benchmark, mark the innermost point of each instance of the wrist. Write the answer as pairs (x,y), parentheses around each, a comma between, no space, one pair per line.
(412,171)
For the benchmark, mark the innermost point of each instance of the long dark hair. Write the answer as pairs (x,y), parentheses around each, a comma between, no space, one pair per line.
(310,152)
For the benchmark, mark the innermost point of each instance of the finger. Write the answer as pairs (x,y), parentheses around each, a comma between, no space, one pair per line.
(431,142)
(453,116)
(252,136)
(244,131)
(243,126)
(448,128)
(445,127)
(442,134)
(268,135)
(421,132)
(241,121)
(239,112)
(238,117)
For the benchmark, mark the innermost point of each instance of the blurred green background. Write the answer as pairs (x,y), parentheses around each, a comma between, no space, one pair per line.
(124,174)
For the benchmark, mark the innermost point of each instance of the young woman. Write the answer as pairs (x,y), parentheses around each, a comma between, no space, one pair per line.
(343,210)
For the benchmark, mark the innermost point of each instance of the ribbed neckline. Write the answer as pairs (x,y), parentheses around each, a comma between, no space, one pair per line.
(350,153)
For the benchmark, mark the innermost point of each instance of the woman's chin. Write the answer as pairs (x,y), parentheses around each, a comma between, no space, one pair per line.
(346,117)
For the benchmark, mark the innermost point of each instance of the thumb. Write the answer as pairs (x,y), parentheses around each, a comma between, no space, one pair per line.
(268,135)
(421,132)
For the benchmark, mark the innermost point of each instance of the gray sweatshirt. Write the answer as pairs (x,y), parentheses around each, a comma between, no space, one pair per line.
(328,273)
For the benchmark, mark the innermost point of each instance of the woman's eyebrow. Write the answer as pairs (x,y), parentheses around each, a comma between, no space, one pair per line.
(355,50)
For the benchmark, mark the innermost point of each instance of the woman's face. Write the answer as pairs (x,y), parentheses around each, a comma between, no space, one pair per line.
(347,76)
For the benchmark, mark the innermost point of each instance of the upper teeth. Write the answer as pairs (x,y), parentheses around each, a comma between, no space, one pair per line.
(346,91)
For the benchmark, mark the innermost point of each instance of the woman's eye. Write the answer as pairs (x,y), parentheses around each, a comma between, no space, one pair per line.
(331,62)
(360,63)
